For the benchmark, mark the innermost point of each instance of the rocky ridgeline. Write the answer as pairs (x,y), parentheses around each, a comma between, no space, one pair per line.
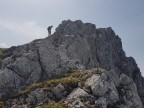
(74,46)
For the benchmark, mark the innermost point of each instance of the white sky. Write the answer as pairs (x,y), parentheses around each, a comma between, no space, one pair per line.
(21,21)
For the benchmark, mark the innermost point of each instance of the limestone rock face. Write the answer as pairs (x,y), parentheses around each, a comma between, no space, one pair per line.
(106,93)
(74,45)
(129,92)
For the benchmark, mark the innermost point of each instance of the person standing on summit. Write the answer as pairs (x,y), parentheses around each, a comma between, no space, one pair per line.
(49,30)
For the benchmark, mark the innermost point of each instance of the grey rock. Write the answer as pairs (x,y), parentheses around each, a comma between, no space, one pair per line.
(37,97)
(100,88)
(76,104)
(22,100)
(129,92)
(10,82)
(103,85)
(74,45)
(101,103)
(122,106)
(19,106)
(74,99)
(76,27)
(92,80)
(59,91)
(78,93)
(112,97)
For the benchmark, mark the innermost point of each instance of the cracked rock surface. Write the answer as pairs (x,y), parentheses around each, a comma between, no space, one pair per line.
(74,45)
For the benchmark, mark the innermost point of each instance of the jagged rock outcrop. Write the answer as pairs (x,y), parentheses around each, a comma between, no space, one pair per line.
(92,89)
(74,45)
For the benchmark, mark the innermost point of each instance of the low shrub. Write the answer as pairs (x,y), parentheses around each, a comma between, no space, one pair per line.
(99,70)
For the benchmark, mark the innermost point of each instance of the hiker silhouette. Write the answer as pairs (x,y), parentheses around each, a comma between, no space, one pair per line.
(49,30)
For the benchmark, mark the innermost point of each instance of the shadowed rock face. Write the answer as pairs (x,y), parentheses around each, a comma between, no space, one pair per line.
(74,45)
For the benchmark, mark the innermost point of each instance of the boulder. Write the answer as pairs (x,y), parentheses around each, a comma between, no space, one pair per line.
(76,104)
(100,88)
(74,99)
(59,91)
(92,80)
(101,102)
(37,97)
(78,93)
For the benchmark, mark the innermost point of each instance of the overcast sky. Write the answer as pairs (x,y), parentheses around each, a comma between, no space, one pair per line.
(21,21)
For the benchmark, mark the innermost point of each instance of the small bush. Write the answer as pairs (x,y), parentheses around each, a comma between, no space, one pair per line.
(99,70)
(1,105)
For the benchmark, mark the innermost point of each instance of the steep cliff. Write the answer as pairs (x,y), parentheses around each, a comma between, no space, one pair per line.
(75,46)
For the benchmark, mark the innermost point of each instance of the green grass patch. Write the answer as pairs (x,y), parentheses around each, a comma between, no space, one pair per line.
(99,70)
(52,104)
(47,85)
(73,77)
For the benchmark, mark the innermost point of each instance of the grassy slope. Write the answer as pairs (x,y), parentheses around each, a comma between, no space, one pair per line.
(71,78)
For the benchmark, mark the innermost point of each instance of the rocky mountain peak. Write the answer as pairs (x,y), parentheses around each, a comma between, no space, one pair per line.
(76,27)
(74,46)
